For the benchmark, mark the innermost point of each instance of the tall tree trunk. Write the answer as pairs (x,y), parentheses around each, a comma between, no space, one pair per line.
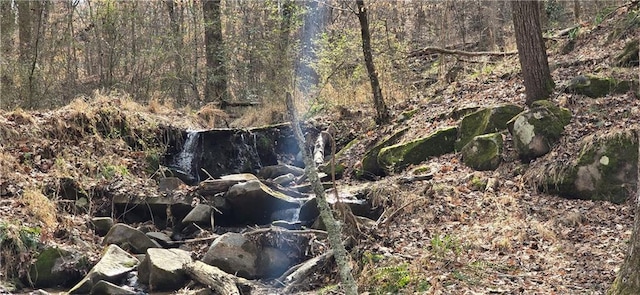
(382,113)
(531,51)
(24,29)
(628,279)
(216,74)
(175,17)
(7,28)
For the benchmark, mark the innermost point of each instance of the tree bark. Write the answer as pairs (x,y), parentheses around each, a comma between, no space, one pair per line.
(175,21)
(334,229)
(531,51)
(24,29)
(382,113)
(628,279)
(216,74)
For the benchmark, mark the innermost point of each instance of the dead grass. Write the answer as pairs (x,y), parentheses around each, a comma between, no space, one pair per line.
(41,207)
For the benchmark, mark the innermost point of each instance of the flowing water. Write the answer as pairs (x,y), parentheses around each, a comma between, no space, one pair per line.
(184,161)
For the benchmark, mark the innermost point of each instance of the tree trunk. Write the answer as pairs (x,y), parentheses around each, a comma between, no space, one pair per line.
(24,29)
(175,21)
(6,43)
(628,279)
(216,74)
(531,51)
(382,113)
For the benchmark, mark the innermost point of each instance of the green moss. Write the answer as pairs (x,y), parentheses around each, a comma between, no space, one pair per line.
(483,152)
(486,120)
(370,160)
(414,152)
(595,87)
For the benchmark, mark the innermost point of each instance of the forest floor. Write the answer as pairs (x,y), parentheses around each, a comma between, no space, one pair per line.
(447,235)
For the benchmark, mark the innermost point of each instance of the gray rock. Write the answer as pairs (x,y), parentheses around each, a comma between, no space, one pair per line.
(113,266)
(57,267)
(272,262)
(200,215)
(102,225)
(254,202)
(235,254)
(535,131)
(104,287)
(483,152)
(396,157)
(128,237)
(595,87)
(162,269)
(211,187)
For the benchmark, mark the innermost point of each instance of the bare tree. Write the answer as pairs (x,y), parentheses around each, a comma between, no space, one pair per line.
(175,17)
(216,74)
(382,113)
(531,51)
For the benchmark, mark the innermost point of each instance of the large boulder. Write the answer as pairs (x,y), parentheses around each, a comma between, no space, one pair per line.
(483,152)
(235,254)
(594,87)
(162,269)
(605,169)
(370,160)
(57,267)
(128,237)
(253,202)
(112,267)
(535,131)
(200,215)
(398,156)
(483,121)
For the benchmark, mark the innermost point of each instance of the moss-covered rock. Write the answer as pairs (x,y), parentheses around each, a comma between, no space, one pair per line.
(605,169)
(370,160)
(483,152)
(56,267)
(535,131)
(399,156)
(629,55)
(340,163)
(595,87)
(485,120)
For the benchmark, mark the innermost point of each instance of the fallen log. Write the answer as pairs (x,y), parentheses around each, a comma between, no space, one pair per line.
(214,278)
(432,50)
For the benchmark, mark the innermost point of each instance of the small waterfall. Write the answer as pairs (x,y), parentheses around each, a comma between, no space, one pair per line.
(184,161)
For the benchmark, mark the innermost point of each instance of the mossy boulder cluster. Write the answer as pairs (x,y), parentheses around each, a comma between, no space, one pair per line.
(594,87)
(479,137)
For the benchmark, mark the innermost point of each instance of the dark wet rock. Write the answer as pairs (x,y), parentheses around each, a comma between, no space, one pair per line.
(112,267)
(234,254)
(211,187)
(102,225)
(162,269)
(57,267)
(163,239)
(128,237)
(253,202)
(200,215)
